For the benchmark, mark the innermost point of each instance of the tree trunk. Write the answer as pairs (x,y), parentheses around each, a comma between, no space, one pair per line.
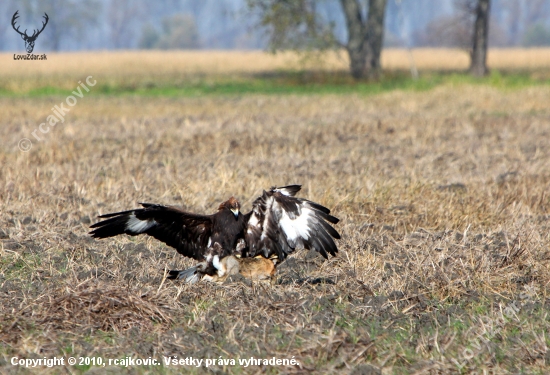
(54,37)
(364,38)
(375,36)
(356,46)
(478,66)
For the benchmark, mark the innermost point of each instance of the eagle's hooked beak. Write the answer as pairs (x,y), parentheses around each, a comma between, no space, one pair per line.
(235,212)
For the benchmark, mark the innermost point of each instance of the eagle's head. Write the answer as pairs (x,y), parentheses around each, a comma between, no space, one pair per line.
(232,204)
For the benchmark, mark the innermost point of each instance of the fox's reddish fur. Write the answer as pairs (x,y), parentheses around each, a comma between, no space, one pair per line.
(253,268)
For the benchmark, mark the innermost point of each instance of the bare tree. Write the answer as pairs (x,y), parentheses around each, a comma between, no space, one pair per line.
(297,24)
(7,8)
(121,19)
(69,19)
(180,32)
(365,36)
(478,64)
(375,35)
(475,15)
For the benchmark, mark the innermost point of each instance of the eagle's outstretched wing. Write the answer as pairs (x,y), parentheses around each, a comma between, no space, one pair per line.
(188,233)
(279,223)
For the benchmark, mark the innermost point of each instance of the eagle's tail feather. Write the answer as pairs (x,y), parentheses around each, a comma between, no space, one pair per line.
(190,275)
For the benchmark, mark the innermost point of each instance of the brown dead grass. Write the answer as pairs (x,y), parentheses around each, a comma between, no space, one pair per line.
(442,195)
(169,66)
(227,62)
(87,308)
(101,307)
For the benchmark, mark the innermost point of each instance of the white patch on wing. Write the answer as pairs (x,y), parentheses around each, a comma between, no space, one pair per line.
(209,241)
(136,225)
(253,220)
(283,191)
(268,212)
(297,228)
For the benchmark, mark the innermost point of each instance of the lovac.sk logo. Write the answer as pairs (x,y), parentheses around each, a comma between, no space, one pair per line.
(29,40)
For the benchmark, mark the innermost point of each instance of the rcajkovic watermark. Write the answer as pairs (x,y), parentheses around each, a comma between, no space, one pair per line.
(59,112)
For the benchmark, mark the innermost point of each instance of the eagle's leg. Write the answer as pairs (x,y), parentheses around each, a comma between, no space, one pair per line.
(240,248)
(208,270)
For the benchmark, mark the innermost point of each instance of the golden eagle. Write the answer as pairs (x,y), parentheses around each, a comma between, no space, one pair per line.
(229,242)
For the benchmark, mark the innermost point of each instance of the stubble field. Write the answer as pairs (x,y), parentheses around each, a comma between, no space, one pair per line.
(443,265)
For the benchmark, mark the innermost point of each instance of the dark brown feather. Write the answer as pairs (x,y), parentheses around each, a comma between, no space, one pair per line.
(186,232)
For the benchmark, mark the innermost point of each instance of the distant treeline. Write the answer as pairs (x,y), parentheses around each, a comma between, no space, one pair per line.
(229,24)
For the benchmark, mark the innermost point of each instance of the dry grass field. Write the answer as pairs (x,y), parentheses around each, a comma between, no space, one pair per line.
(134,69)
(443,196)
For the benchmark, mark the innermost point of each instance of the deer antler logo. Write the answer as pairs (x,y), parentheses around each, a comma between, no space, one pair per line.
(29,40)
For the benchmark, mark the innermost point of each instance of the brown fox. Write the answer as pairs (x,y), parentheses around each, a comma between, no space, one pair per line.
(258,268)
